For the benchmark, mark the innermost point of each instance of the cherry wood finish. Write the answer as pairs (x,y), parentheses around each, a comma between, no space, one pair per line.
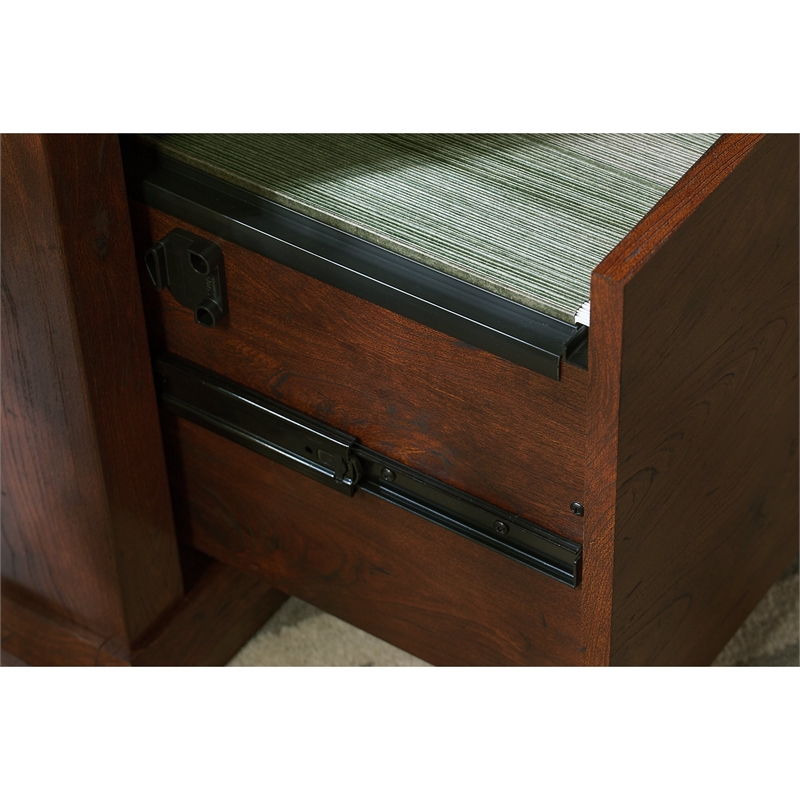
(687,471)
(90,561)
(206,628)
(35,635)
(690,463)
(212,622)
(9,660)
(601,473)
(415,584)
(508,435)
(86,516)
(692,482)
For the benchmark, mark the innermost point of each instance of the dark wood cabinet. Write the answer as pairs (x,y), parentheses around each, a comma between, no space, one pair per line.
(679,441)
(91,564)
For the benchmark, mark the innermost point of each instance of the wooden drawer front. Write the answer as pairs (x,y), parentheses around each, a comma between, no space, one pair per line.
(408,581)
(510,436)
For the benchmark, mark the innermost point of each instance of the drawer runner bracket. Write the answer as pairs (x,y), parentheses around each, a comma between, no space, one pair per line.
(336,459)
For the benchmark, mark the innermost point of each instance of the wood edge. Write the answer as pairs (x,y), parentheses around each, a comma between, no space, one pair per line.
(666,216)
(212,622)
(9,660)
(207,627)
(605,359)
(50,156)
(37,636)
(142,604)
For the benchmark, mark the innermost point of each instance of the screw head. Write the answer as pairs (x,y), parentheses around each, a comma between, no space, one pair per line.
(387,475)
(500,527)
(577,509)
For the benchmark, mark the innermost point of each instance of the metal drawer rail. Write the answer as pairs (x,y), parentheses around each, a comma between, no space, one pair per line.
(337,459)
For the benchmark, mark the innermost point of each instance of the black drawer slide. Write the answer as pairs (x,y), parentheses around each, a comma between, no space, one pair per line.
(338,460)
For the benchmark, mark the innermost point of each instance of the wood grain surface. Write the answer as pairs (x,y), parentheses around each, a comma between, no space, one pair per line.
(207,627)
(675,208)
(9,660)
(693,414)
(35,635)
(212,622)
(605,356)
(508,435)
(431,592)
(86,515)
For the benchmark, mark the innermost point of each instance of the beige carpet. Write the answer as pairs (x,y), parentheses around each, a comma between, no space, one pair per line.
(303,636)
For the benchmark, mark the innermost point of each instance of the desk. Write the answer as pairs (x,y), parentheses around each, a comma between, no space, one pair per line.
(679,441)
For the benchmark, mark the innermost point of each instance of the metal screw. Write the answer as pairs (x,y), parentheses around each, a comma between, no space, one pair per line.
(500,527)
(576,509)
(387,475)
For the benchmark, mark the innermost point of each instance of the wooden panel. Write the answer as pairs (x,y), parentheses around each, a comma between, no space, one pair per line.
(508,435)
(36,636)
(213,622)
(601,471)
(9,660)
(86,513)
(605,363)
(412,583)
(699,493)
(206,628)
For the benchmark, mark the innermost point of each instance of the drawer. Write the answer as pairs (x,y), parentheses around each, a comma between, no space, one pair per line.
(500,432)
(415,584)
(472,478)
(506,434)
(656,453)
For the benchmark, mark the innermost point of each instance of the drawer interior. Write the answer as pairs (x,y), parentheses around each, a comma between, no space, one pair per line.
(505,434)
(527,217)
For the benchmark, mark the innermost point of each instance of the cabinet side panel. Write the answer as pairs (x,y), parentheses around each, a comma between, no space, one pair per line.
(706,506)
(86,513)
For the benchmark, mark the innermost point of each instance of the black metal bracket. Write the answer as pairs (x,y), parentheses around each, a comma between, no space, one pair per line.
(193,269)
(448,304)
(339,461)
